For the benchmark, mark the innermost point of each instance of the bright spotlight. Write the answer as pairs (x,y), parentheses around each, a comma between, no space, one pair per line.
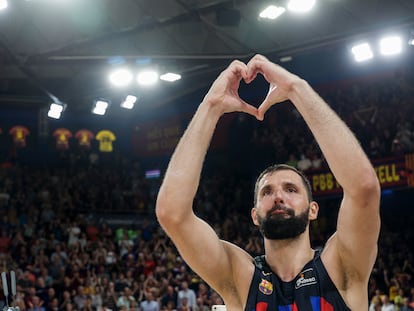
(300,6)
(272,12)
(3,4)
(147,78)
(129,102)
(55,110)
(362,52)
(121,77)
(411,38)
(100,107)
(391,45)
(170,77)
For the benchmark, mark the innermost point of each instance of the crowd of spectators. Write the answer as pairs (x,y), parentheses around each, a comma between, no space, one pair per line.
(65,258)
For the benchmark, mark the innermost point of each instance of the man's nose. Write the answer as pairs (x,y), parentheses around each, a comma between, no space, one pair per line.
(278,196)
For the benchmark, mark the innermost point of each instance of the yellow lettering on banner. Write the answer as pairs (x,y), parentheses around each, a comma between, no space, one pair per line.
(324,182)
(387,173)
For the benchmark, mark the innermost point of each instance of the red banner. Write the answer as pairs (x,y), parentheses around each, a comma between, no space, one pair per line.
(160,138)
(396,172)
(156,139)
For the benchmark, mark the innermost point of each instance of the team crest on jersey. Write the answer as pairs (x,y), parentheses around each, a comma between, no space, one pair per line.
(266,287)
(306,277)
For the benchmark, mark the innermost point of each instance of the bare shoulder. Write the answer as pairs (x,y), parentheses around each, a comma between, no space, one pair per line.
(236,290)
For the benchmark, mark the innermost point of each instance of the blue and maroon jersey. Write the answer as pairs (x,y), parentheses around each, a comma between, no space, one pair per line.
(311,290)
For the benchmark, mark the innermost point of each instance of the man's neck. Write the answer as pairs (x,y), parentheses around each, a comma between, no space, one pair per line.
(286,258)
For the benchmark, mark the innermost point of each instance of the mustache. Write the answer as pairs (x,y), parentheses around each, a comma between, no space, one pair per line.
(279,207)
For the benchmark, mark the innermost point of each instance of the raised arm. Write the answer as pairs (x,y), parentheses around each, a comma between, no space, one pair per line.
(351,252)
(196,241)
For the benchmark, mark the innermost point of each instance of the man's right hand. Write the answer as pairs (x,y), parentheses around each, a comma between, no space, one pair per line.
(281,81)
(223,95)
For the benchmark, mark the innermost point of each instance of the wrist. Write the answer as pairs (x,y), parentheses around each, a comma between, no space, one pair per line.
(210,109)
(297,87)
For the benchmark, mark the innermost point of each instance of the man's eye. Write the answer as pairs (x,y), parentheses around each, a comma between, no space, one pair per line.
(291,189)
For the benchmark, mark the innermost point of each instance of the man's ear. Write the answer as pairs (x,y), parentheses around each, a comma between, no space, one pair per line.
(313,210)
(253,213)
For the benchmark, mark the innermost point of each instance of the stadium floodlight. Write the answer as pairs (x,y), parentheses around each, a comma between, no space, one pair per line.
(170,77)
(285,59)
(300,6)
(100,106)
(55,110)
(3,4)
(272,12)
(121,77)
(362,52)
(411,38)
(129,102)
(391,45)
(147,78)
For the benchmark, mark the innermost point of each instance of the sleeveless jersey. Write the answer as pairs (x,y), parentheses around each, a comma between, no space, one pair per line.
(311,290)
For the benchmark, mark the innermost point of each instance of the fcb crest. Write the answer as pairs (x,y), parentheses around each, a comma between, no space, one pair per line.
(266,287)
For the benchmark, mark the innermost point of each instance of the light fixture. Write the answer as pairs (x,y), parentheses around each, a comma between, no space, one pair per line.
(170,77)
(300,6)
(362,52)
(129,102)
(121,77)
(55,110)
(285,59)
(272,12)
(411,38)
(391,45)
(3,4)
(100,106)
(147,78)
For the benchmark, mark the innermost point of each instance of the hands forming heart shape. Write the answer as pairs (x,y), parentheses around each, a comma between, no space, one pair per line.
(224,92)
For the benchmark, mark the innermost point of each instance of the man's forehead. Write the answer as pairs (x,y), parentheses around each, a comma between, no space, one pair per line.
(282,176)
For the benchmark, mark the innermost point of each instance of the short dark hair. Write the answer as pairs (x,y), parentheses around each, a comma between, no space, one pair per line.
(283,167)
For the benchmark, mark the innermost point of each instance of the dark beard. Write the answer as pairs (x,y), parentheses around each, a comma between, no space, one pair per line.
(278,227)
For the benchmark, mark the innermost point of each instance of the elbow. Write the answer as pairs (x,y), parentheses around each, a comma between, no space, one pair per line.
(372,183)
(167,212)
(369,188)
(162,210)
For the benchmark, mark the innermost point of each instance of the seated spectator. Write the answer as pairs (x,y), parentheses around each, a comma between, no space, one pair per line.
(387,305)
(375,304)
(186,292)
(201,306)
(170,295)
(53,305)
(66,299)
(125,299)
(184,305)
(149,304)
(406,305)
(88,306)
(36,304)
(110,297)
(80,298)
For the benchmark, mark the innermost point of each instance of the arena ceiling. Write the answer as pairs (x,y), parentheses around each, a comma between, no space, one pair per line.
(66,48)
